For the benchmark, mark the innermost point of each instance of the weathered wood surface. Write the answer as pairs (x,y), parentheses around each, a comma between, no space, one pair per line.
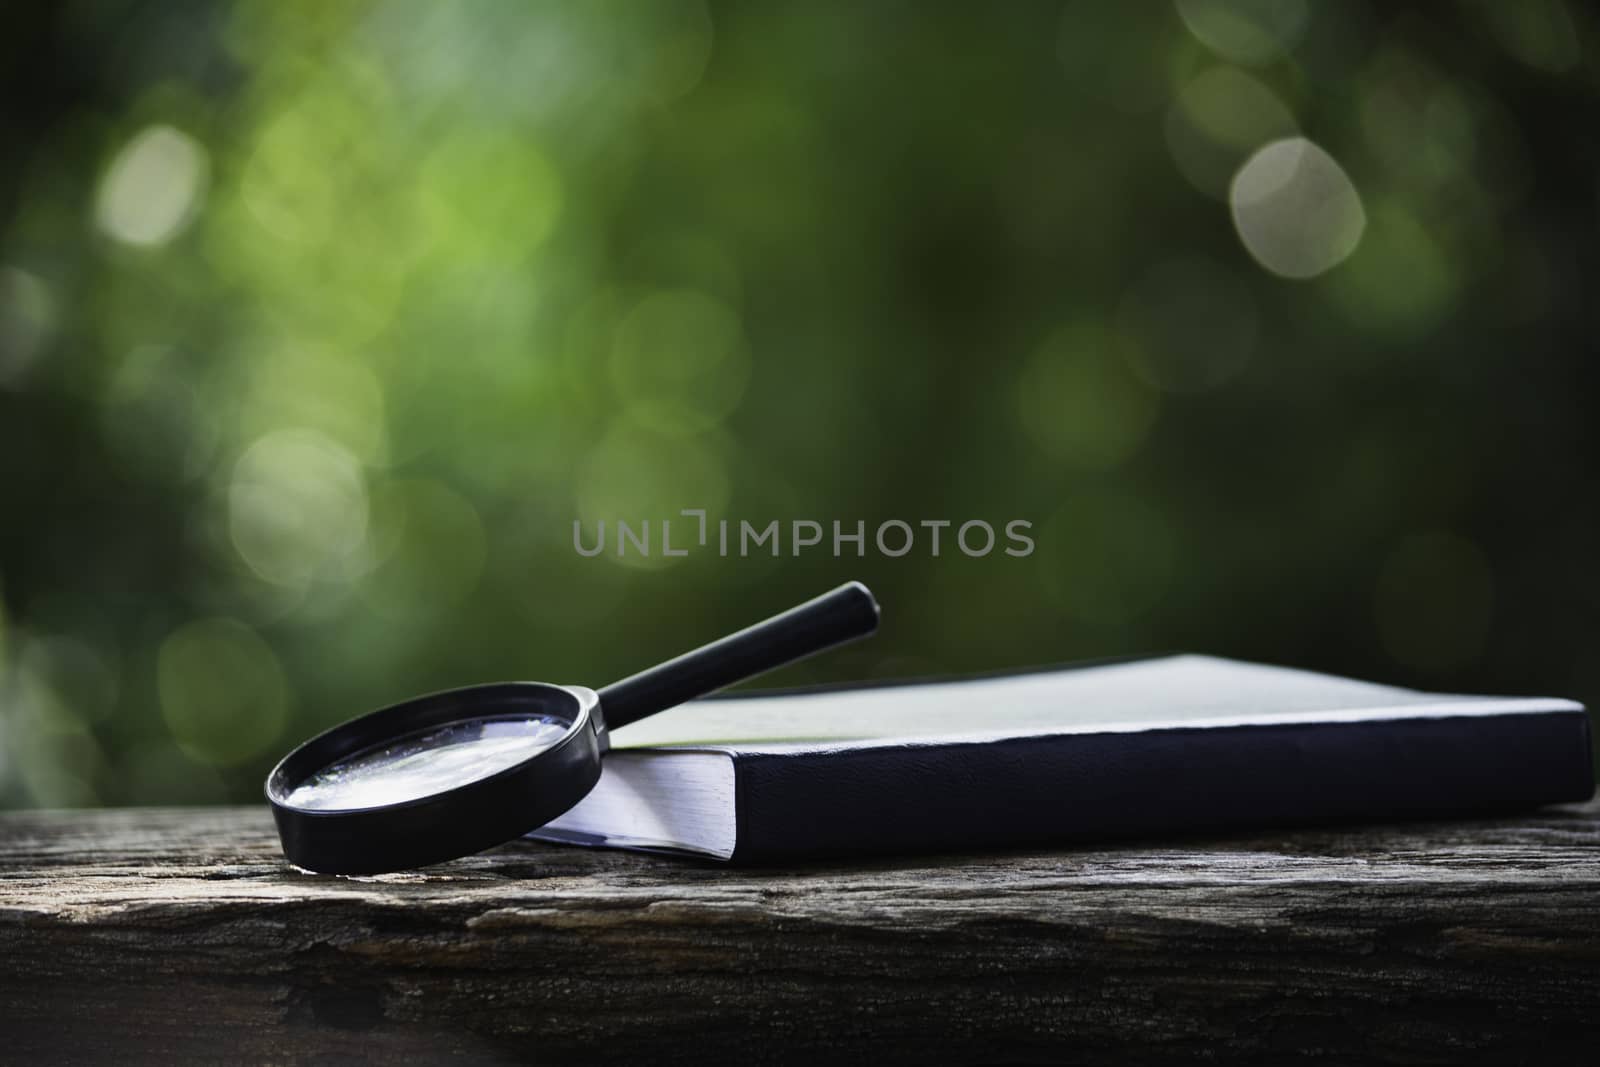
(155,935)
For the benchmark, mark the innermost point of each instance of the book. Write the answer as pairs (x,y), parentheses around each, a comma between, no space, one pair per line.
(1135,749)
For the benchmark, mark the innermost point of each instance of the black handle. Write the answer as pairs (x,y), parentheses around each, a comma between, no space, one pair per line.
(832,619)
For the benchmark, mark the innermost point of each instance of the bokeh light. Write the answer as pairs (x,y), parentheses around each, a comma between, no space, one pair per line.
(153,187)
(1080,400)
(678,362)
(1246,31)
(27,316)
(1296,209)
(297,508)
(322,322)
(1217,120)
(223,693)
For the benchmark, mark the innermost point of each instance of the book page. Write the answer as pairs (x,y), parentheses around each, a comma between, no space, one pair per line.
(1172,691)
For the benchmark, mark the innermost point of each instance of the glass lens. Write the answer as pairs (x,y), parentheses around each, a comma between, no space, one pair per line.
(426,763)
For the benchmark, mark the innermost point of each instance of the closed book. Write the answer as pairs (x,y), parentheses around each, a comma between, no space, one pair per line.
(1134,749)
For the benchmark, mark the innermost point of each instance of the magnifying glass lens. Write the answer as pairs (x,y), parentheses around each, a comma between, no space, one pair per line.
(455,772)
(428,762)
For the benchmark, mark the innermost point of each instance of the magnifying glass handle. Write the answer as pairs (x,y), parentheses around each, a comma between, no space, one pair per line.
(845,614)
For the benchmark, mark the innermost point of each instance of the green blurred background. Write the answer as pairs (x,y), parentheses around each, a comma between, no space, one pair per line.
(321,323)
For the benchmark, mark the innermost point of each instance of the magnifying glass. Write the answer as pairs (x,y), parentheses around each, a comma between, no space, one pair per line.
(453,773)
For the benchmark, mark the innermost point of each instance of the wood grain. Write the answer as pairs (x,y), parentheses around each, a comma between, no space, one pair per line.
(153,935)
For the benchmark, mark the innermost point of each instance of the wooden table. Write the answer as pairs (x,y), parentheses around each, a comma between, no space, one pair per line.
(153,935)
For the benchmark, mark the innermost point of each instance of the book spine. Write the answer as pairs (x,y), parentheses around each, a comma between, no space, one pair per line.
(1062,789)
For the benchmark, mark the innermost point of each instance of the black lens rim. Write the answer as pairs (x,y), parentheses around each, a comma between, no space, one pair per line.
(457,822)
